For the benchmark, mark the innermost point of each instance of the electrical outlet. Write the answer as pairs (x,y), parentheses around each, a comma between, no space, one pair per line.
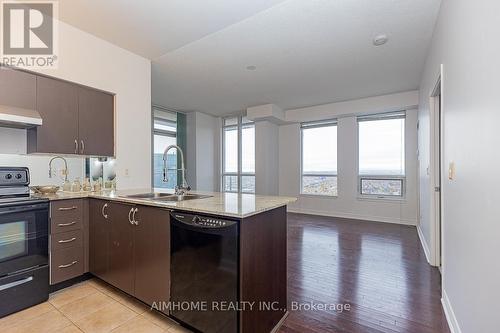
(126,173)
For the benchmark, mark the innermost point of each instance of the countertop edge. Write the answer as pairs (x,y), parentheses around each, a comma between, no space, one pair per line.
(164,205)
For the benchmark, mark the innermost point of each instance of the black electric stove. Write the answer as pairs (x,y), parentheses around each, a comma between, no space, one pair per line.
(24,243)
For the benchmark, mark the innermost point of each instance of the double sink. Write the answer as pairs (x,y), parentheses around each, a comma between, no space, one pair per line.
(168,197)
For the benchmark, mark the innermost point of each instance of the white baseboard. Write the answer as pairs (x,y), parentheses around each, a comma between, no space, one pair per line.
(353,216)
(450,315)
(423,241)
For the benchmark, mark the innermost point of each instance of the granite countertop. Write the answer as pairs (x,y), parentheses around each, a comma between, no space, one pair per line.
(237,205)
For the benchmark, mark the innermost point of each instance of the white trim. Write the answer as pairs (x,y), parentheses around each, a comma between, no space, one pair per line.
(423,241)
(450,314)
(411,222)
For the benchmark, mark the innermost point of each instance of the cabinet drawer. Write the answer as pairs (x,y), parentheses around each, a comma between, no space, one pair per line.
(66,209)
(66,240)
(66,264)
(58,225)
(66,215)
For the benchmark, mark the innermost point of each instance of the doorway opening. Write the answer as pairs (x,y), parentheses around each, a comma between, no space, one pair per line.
(436,171)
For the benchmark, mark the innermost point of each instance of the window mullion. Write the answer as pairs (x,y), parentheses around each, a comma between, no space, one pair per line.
(240,187)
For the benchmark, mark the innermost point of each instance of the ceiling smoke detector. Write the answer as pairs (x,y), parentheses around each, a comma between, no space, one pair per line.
(251,68)
(380,40)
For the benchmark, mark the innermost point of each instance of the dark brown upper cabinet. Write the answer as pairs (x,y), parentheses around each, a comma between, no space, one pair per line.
(17,89)
(95,122)
(57,103)
(76,119)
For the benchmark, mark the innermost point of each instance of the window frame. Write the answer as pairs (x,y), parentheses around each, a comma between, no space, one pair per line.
(309,125)
(401,178)
(160,132)
(242,122)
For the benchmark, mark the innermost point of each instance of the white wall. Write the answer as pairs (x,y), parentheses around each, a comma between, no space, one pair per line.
(266,158)
(385,103)
(466,43)
(202,153)
(347,204)
(91,61)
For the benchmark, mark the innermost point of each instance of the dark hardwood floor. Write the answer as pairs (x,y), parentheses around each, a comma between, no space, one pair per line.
(379,269)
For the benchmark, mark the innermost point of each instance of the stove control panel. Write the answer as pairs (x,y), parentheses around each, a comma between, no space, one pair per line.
(14,177)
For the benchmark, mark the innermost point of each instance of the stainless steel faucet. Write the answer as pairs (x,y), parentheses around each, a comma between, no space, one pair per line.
(184,188)
(65,167)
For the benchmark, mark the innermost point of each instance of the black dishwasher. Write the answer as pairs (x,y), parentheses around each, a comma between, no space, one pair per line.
(204,272)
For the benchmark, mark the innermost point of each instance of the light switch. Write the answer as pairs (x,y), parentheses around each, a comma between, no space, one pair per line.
(451,171)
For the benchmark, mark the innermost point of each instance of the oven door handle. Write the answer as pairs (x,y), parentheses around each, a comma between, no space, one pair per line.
(16,283)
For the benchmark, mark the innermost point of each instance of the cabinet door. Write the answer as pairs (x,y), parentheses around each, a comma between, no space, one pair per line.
(17,88)
(121,248)
(99,238)
(96,122)
(152,255)
(57,102)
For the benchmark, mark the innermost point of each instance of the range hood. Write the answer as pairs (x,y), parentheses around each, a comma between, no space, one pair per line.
(18,117)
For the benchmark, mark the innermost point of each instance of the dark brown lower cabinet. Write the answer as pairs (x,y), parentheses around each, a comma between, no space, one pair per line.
(263,269)
(152,255)
(121,247)
(99,238)
(130,248)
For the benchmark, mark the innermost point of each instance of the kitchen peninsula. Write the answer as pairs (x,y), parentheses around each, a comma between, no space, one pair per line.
(217,248)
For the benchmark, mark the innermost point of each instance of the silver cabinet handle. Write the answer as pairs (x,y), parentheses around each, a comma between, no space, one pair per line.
(69,265)
(66,240)
(133,217)
(129,217)
(15,283)
(66,224)
(63,209)
(76,146)
(103,211)
(83,146)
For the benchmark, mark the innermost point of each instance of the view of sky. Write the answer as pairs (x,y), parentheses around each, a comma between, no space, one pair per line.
(319,150)
(162,142)
(247,149)
(381,147)
(231,150)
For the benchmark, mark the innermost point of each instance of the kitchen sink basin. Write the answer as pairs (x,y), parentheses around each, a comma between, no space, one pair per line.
(166,196)
(184,197)
(151,195)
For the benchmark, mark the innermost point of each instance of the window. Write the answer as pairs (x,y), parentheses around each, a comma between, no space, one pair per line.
(164,134)
(382,154)
(319,158)
(238,165)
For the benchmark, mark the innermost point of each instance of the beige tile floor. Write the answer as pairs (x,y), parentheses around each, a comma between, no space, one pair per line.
(90,307)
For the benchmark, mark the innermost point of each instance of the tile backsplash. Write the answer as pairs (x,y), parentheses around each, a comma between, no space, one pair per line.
(39,167)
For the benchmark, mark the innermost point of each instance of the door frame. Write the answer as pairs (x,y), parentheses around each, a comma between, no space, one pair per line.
(436,170)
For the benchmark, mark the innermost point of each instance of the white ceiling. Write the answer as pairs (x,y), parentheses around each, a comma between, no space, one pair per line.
(307,52)
(152,28)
